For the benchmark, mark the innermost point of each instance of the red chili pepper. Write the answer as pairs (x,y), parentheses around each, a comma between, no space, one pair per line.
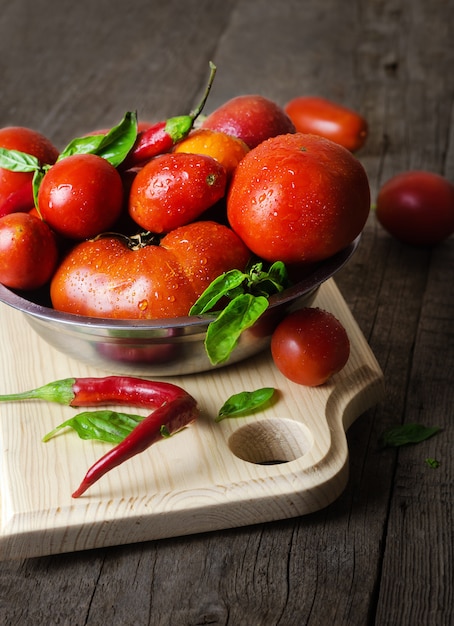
(161,137)
(172,417)
(174,409)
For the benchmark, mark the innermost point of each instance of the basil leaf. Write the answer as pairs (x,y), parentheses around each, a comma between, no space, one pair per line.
(223,332)
(105,425)
(17,161)
(221,286)
(244,402)
(407,434)
(118,142)
(36,182)
(433,463)
(113,146)
(82,145)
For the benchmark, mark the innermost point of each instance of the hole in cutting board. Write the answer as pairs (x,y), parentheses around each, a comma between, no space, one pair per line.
(272,441)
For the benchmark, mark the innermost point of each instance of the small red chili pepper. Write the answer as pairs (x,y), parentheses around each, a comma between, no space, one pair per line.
(162,136)
(174,409)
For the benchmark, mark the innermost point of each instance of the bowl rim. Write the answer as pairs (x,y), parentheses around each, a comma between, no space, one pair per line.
(324,270)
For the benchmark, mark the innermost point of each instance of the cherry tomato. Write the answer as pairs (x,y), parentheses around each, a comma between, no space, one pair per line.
(174,189)
(109,277)
(298,198)
(417,207)
(309,346)
(16,187)
(81,196)
(329,119)
(28,251)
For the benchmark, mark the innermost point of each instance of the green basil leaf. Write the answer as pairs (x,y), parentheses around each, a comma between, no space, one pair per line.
(407,434)
(245,402)
(36,183)
(17,161)
(105,425)
(220,287)
(223,332)
(118,142)
(433,463)
(113,146)
(82,145)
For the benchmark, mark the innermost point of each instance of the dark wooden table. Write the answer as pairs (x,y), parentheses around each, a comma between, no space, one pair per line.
(383,552)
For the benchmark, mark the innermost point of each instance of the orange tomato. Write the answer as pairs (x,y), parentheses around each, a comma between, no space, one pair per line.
(226,149)
(328,119)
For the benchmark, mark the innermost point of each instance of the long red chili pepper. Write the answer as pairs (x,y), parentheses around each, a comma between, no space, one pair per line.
(174,409)
(172,416)
(162,136)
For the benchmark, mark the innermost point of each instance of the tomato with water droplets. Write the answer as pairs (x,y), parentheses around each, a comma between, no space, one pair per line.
(127,278)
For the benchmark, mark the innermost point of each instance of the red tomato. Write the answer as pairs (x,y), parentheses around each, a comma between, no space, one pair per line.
(174,189)
(106,278)
(417,207)
(309,346)
(328,119)
(81,196)
(16,187)
(28,251)
(298,198)
(250,117)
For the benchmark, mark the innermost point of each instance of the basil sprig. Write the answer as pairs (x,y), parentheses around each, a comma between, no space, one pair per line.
(248,294)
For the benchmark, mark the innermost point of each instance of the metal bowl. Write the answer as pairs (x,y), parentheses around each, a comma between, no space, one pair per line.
(165,347)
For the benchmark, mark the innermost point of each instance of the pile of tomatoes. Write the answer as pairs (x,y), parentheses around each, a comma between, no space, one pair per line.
(137,221)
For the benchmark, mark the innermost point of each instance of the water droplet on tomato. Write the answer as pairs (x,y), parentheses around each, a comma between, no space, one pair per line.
(143,305)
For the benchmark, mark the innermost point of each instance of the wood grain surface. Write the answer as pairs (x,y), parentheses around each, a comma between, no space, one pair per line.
(382,553)
(285,460)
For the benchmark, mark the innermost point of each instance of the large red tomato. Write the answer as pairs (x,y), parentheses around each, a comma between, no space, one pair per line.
(81,196)
(298,198)
(16,187)
(107,278)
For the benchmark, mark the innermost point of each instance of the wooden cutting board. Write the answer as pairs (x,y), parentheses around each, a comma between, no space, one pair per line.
(287,460)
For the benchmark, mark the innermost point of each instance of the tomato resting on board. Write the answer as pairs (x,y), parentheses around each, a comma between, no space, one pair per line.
(309,346)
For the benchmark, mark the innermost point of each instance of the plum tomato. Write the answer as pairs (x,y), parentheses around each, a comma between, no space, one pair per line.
(312,114)
(298,198)
(417,207)
(118,277)
(28,251)
(16,192)
(81,196)
(309,346)
(174,189)
(250,117)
